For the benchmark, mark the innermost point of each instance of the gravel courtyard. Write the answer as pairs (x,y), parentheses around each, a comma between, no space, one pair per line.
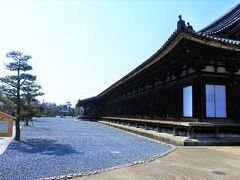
(60,146)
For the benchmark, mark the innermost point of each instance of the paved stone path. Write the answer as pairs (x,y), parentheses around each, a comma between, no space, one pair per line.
(5,141)
(60,146)
(184,163)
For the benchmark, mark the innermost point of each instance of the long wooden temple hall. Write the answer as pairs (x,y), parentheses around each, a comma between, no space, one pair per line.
(190,86)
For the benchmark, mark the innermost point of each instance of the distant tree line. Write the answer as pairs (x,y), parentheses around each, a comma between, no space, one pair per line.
(53,110)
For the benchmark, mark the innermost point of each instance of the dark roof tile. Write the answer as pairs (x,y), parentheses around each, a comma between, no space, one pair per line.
(226,21)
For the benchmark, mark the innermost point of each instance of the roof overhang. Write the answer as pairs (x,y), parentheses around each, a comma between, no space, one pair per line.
(169,45)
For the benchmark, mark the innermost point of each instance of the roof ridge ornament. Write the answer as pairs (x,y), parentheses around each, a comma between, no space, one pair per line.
(189,26)
(181,24)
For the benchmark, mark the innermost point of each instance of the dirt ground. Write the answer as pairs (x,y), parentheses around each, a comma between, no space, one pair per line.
(184,163)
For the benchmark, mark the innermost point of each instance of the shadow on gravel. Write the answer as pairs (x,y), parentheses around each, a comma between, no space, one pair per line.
(40,128)
(43,146)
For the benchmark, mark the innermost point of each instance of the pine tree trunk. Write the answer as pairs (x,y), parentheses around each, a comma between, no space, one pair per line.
(27,121)
(17,135)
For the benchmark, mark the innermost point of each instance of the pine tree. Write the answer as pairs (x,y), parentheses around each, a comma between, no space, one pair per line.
(13,84)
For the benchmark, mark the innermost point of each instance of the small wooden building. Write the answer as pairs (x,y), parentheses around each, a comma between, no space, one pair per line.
(194,76)
(6,124)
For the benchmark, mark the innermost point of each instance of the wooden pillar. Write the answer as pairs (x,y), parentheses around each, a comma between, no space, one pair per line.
(198,99)
(198,94)
(168,103)
(233,102)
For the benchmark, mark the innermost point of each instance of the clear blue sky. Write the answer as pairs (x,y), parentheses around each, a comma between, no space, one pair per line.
(80,48)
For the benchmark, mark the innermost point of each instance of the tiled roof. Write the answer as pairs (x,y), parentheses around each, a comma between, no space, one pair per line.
(226,21)
(188,32)
(219,39)
(88,99)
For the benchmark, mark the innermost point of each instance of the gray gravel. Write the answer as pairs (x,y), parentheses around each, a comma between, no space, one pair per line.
(61,146)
